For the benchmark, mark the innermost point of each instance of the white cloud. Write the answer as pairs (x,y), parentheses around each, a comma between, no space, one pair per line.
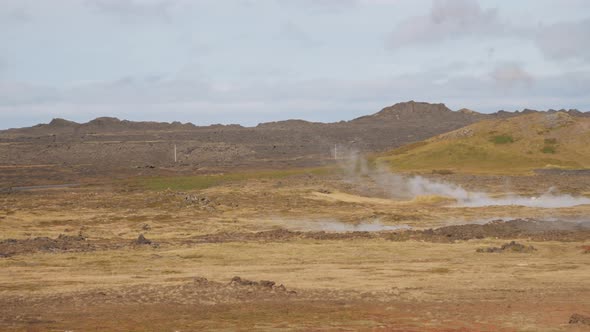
(294,33)
(453,20)
(447,19)
(320,5)
(17,14)
(17,93)
(130,10)
(510,74)
(565,40)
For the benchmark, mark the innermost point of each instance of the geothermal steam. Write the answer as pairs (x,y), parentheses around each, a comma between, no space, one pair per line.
(331,225)
(418,185)
(336,226)
(398,186)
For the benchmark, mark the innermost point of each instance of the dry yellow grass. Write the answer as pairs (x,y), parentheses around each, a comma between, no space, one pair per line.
(361,265)
(504,146)
(340,283)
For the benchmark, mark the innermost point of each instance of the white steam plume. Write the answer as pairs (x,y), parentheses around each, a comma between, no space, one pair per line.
(418,185)
(335,226)
(398,186)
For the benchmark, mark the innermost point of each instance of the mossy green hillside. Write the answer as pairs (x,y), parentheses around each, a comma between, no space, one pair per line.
(514,145)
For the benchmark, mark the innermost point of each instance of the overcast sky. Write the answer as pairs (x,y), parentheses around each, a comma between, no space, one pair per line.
(249,61)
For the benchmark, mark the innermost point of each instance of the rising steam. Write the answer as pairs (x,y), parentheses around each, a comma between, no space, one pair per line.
(418,185)
(403,187)
(336,226)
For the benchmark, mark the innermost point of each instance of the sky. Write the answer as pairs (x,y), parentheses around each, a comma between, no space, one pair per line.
(252,61)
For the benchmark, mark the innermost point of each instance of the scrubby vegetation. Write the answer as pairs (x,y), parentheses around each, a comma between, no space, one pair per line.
(443,171)
(206,181)
(550,146)
(502,139)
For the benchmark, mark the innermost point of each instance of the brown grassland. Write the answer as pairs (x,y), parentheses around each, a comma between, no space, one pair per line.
(70,259)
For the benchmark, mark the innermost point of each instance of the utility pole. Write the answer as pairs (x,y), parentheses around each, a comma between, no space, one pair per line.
(175,160)
(335,152)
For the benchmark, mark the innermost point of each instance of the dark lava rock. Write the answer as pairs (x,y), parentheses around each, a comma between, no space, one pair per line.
(237,281)
(201,280)
(78,237)
(511,247)
(267,283)
(579,319)
(141,240)
(262,284)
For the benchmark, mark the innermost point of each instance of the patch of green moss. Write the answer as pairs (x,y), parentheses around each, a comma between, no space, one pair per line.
(549,141)
(206,181)
(502,139)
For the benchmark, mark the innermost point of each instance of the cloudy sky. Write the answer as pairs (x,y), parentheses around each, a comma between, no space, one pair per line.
(249,61)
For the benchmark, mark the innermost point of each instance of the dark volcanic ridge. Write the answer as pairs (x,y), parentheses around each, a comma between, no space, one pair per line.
(105,144)
(404,111)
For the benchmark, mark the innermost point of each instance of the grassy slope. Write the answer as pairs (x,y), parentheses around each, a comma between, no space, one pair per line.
(205,181)
(515,145)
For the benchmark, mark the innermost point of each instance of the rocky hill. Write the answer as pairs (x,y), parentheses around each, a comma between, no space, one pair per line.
(110,143)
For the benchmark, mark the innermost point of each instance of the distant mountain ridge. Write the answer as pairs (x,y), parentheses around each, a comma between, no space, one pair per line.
(109,124)
(107,142)
(404,111)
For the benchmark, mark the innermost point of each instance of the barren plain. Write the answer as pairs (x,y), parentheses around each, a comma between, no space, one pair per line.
(307,249)
(289,227)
